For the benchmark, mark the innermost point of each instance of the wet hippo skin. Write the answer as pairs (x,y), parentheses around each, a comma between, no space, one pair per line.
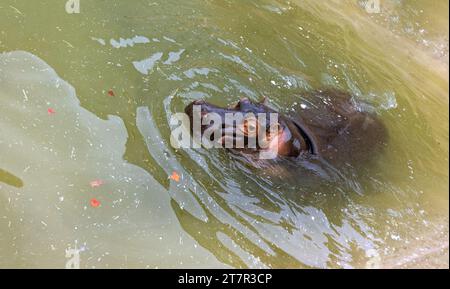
(339,130)
(328,126)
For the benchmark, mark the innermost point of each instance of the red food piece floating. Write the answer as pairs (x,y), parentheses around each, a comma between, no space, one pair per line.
(95,203)
(51,111)
(175,177)
(111,92)
(96,183)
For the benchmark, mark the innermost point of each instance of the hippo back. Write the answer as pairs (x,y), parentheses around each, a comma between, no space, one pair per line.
(340,132)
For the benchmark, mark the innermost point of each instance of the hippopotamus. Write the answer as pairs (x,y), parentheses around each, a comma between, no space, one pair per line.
(329,126)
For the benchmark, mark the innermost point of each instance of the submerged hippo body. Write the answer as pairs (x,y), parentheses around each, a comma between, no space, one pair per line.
(328,126)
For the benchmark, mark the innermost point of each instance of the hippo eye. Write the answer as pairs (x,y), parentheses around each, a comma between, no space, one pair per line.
(250,126)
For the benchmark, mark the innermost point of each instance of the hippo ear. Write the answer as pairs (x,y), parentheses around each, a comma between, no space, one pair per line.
(264,100)
(242,100)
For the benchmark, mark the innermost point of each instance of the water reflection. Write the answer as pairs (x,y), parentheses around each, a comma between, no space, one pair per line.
(10,179)
(58,156)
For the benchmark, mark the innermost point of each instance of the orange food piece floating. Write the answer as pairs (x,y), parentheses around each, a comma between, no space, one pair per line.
(96,183)
(175,176)
(111,93)
(95,203)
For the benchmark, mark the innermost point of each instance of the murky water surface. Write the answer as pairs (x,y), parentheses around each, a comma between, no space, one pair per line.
(85,155)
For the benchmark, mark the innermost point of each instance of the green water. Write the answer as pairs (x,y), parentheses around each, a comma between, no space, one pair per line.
(393,213)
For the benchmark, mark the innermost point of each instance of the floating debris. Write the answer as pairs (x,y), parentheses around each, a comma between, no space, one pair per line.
(175,177)
(95,203)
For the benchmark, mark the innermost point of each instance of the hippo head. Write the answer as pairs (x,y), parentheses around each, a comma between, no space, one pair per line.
(250,128)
